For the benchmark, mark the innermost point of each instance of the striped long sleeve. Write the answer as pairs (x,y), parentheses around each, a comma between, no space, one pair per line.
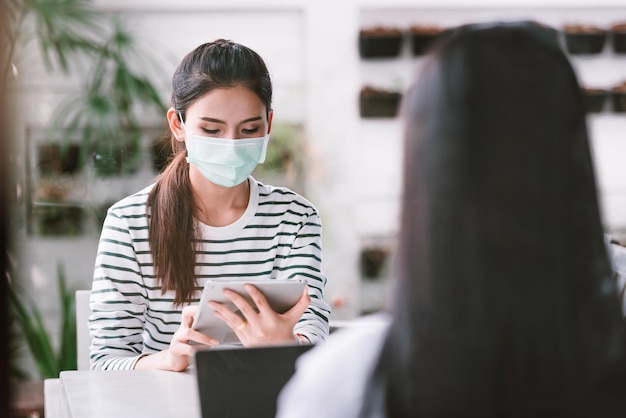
(278,237)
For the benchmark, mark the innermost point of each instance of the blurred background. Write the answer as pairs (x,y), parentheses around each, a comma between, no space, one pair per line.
(88,85)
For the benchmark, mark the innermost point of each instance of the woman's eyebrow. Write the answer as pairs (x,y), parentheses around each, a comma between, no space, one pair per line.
(254,119)
(212,120)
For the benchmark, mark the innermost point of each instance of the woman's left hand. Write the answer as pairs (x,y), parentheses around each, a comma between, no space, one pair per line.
(263,325)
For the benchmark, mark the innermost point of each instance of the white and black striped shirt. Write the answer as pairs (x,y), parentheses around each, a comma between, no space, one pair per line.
(278,237)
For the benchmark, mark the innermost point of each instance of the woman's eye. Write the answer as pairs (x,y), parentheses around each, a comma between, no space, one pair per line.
(250,131)
(211,131)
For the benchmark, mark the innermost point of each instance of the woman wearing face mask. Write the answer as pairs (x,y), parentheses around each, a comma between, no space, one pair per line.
(206,217)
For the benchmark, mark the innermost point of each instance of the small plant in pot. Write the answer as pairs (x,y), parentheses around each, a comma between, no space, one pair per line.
(55,158)
(595,99)
(379,103)
(380,42)
(422,37)
(618,31)
(373,261)
(54,215)
(584,39)
(618,96)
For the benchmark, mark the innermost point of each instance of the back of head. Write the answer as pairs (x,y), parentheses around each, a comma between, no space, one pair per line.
(504,304)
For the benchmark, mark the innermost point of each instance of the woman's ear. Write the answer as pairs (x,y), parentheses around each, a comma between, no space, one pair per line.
(270,116)
(173,119)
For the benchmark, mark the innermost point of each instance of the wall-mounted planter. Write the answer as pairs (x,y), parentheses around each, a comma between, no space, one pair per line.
(584,39)
(595,99)
(380,42)
(54,159)
(373,262)
(379,103)
(618,97)
(422,38)
(619,38)
(58,218)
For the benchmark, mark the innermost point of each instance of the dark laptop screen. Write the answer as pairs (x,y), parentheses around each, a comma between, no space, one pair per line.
(243,382)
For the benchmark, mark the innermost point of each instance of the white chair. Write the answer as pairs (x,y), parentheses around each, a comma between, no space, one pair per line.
(83,339)
(52,387)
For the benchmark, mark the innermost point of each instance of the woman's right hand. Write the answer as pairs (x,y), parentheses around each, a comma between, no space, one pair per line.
(178,356)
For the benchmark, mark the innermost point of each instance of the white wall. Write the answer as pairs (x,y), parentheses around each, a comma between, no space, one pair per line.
(353,165)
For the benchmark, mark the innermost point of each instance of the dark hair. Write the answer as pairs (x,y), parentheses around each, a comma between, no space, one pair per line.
(172,230)
(504,303)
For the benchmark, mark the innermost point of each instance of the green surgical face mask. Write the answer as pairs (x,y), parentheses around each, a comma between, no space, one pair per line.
(225,162)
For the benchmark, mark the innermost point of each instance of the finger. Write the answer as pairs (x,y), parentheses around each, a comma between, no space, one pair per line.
(232,319)
(259,299)
(248,311)
(186,335)
(188,314)
(302,304)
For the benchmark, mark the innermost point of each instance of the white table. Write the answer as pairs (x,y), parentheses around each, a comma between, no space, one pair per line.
(133,393)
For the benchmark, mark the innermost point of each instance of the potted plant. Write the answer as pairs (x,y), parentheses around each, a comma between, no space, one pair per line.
(70,35)
(584,39)
(595,99)
(618,31)
(380,42)
(29,329)
(422,37)
(379,103)
(55,158)
(373,261)
(618,96)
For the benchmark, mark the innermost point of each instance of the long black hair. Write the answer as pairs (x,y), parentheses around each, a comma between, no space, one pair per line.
(504,303)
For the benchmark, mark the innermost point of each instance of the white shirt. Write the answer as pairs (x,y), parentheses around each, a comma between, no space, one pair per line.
(330,379)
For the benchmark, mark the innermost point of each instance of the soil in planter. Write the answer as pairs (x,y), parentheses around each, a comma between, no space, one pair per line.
(422,38)
(619,38)
(380,42)
(618,97)
(54,159)
(584,39)
(595,99)
(373,262)
(378,103)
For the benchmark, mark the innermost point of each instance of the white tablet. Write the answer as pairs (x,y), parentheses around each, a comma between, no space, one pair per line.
(280,294)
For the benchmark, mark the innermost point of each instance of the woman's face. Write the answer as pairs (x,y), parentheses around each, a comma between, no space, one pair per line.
(233,113)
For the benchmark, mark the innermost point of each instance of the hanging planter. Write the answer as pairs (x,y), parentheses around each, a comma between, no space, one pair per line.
(55,159)
(618,96)
(619,38)
(380,42)
(57,218)
(595,99)
(379,103)
(373,262)
(584,39)
(422,37)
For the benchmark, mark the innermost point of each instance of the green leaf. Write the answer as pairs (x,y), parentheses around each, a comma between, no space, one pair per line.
(37,338)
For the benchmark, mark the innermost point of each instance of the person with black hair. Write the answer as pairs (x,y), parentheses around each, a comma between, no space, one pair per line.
(504,303)
(206,217)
